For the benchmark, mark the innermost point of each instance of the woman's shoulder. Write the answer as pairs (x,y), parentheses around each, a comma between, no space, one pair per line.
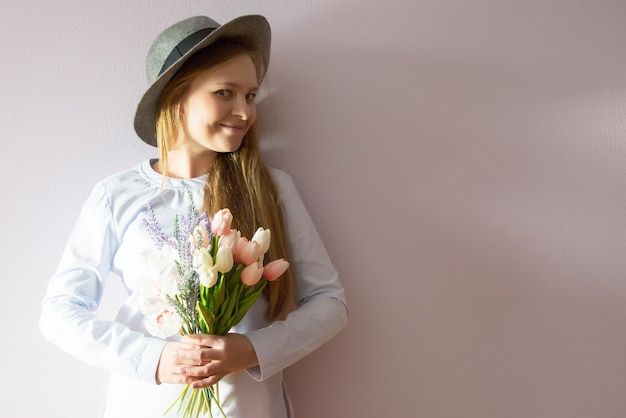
(285,187)
(129,177)
(133,181)
(280,177)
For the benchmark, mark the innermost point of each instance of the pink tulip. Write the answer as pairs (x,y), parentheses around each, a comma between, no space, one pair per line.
(274,269)
(200,235)
(247,252)
(220,224)
(252,273)
(230,240)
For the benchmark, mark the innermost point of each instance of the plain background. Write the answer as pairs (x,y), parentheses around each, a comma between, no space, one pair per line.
(464,161)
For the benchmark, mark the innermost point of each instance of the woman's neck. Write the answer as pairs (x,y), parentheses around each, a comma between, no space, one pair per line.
(183,164)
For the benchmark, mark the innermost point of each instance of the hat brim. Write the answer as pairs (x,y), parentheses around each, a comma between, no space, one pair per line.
(254,28)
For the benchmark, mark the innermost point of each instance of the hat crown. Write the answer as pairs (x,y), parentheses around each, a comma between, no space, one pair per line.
(168,40)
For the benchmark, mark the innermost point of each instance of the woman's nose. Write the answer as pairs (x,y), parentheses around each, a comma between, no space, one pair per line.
(243,108)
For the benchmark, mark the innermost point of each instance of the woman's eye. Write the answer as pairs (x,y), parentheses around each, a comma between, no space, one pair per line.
(225,93)
(250,96)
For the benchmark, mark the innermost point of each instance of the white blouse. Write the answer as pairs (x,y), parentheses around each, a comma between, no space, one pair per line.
(107,238)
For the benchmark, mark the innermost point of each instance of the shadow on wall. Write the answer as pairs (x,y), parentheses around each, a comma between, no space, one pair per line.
(470,193)
(513,151)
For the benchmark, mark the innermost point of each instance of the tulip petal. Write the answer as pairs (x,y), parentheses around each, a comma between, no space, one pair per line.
(251,274)
(262,236)
(201,258)
(163,324)
(200,236)
(224,259)
(250,252)
(220,224)
(274,269)
(208,276)
(230,240)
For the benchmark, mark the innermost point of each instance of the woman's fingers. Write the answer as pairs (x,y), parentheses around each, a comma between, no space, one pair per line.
(205,359)
(177,361)
(191,354)
(208,381)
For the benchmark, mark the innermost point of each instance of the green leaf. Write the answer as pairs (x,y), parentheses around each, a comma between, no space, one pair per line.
(218,292)
(246,302)
(206,319)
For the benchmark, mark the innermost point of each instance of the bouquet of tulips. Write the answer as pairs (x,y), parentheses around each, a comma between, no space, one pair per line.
(202,280)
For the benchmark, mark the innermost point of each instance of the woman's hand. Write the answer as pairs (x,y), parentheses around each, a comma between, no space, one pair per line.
(203,360)
(174,360)
(221,355)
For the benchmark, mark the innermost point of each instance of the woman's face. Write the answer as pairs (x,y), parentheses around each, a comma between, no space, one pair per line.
(219,108)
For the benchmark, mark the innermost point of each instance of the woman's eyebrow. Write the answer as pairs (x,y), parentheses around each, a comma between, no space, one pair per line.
(236,85)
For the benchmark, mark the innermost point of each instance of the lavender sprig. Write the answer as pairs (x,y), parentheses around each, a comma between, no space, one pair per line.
(188,286)
(154,229)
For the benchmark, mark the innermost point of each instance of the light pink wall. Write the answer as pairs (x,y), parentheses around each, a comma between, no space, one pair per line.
(464,162)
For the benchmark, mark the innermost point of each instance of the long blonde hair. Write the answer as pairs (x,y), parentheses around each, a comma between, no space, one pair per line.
(237,180)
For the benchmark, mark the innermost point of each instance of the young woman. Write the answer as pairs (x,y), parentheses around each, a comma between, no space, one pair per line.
(200,111)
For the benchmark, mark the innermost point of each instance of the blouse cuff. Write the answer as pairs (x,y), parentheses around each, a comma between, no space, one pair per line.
(149,361)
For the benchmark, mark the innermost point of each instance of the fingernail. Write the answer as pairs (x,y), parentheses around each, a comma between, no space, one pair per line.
(183,371)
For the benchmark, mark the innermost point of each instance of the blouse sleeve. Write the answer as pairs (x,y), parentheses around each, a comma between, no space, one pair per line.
(322,308)
(68,311)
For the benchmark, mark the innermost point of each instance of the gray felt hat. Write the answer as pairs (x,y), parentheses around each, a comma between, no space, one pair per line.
(176,44)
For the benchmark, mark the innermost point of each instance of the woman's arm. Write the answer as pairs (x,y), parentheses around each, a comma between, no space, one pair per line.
(74,292)
(322,309)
